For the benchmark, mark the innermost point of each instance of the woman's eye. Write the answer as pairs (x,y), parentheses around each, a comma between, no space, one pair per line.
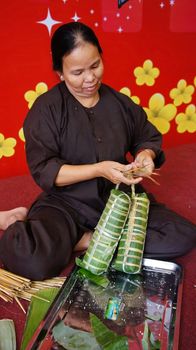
(95,66)
(77,73)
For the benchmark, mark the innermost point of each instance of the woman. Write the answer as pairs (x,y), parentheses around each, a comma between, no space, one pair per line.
(77,137)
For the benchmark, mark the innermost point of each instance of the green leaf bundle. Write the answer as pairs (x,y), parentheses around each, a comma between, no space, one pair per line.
(131,247)
(107,233)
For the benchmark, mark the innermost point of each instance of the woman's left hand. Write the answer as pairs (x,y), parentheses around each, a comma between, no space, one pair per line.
(144,160)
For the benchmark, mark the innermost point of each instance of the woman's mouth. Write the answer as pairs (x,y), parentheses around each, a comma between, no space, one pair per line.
(91,88)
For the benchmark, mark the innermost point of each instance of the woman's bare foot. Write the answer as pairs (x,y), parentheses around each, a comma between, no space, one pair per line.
(8,217)
(84,242)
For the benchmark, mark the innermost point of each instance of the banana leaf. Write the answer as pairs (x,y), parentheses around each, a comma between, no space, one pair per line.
(74,339)
(107,233)
(145,339)
(131,246)
(107,339)
(36,312)
(7,335)
(155,344)
(101,337)
(102,281)
(148,340)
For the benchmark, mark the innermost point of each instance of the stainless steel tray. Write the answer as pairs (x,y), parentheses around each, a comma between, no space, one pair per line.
(154,296)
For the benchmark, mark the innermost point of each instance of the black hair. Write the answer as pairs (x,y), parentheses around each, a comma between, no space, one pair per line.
(67,37)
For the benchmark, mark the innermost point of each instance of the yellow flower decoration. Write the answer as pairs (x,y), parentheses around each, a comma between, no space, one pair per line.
(183,93)
(146,74)
(7,146)
(21,134)
(160,114)
(187,121)
(31,95)
(127,91)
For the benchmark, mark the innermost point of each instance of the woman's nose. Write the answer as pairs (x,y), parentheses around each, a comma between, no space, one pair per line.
(89,76)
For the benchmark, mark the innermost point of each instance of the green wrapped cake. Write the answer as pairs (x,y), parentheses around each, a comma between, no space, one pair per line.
(130,250)
(107,233)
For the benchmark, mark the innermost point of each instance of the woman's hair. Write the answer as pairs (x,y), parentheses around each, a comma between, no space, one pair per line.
(69,36)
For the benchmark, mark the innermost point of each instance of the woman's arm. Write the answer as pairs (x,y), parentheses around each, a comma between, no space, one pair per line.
(113,171)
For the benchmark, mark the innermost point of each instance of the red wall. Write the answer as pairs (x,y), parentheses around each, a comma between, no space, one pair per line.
(161,31)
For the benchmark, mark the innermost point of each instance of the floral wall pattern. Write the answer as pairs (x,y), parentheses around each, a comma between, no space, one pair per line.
(149,54)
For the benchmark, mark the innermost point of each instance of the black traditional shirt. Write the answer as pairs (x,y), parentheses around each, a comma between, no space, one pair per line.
(59,130)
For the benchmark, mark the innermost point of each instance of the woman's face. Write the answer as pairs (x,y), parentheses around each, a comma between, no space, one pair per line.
(83,70)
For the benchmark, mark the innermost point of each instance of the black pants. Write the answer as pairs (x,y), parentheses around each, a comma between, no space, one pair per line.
(42,246)
(169,235)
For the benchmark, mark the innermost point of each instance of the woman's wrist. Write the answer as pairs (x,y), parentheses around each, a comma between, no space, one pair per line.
(147,150)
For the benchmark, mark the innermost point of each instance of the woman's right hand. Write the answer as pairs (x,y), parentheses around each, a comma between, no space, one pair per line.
(113,171)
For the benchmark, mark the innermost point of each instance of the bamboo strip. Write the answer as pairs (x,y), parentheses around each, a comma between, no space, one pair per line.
(19,303)
(13,287)
(5,298)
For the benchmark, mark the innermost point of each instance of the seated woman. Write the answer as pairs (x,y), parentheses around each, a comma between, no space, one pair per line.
(77,137)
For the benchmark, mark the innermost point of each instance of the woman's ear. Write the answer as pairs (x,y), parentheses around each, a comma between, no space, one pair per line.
(60,74)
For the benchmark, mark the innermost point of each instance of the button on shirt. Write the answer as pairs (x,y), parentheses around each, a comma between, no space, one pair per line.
(94,119)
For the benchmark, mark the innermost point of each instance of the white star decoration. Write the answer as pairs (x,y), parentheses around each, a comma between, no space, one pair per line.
(75,17)
(49,22)
(162,5)
(120,30)
(172,2)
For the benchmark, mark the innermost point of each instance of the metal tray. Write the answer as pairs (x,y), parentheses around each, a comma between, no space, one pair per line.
(154,296)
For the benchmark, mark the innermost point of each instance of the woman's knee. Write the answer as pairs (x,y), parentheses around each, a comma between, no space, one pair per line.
(38,268)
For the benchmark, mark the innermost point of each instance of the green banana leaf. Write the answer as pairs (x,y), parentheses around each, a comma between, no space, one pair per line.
(36,312)
(107,339)
(145,339)
(107,233)
(7,335)
(102,281)
(73,339)
(148,340)
(155,344)
(102,338)
(131,246)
